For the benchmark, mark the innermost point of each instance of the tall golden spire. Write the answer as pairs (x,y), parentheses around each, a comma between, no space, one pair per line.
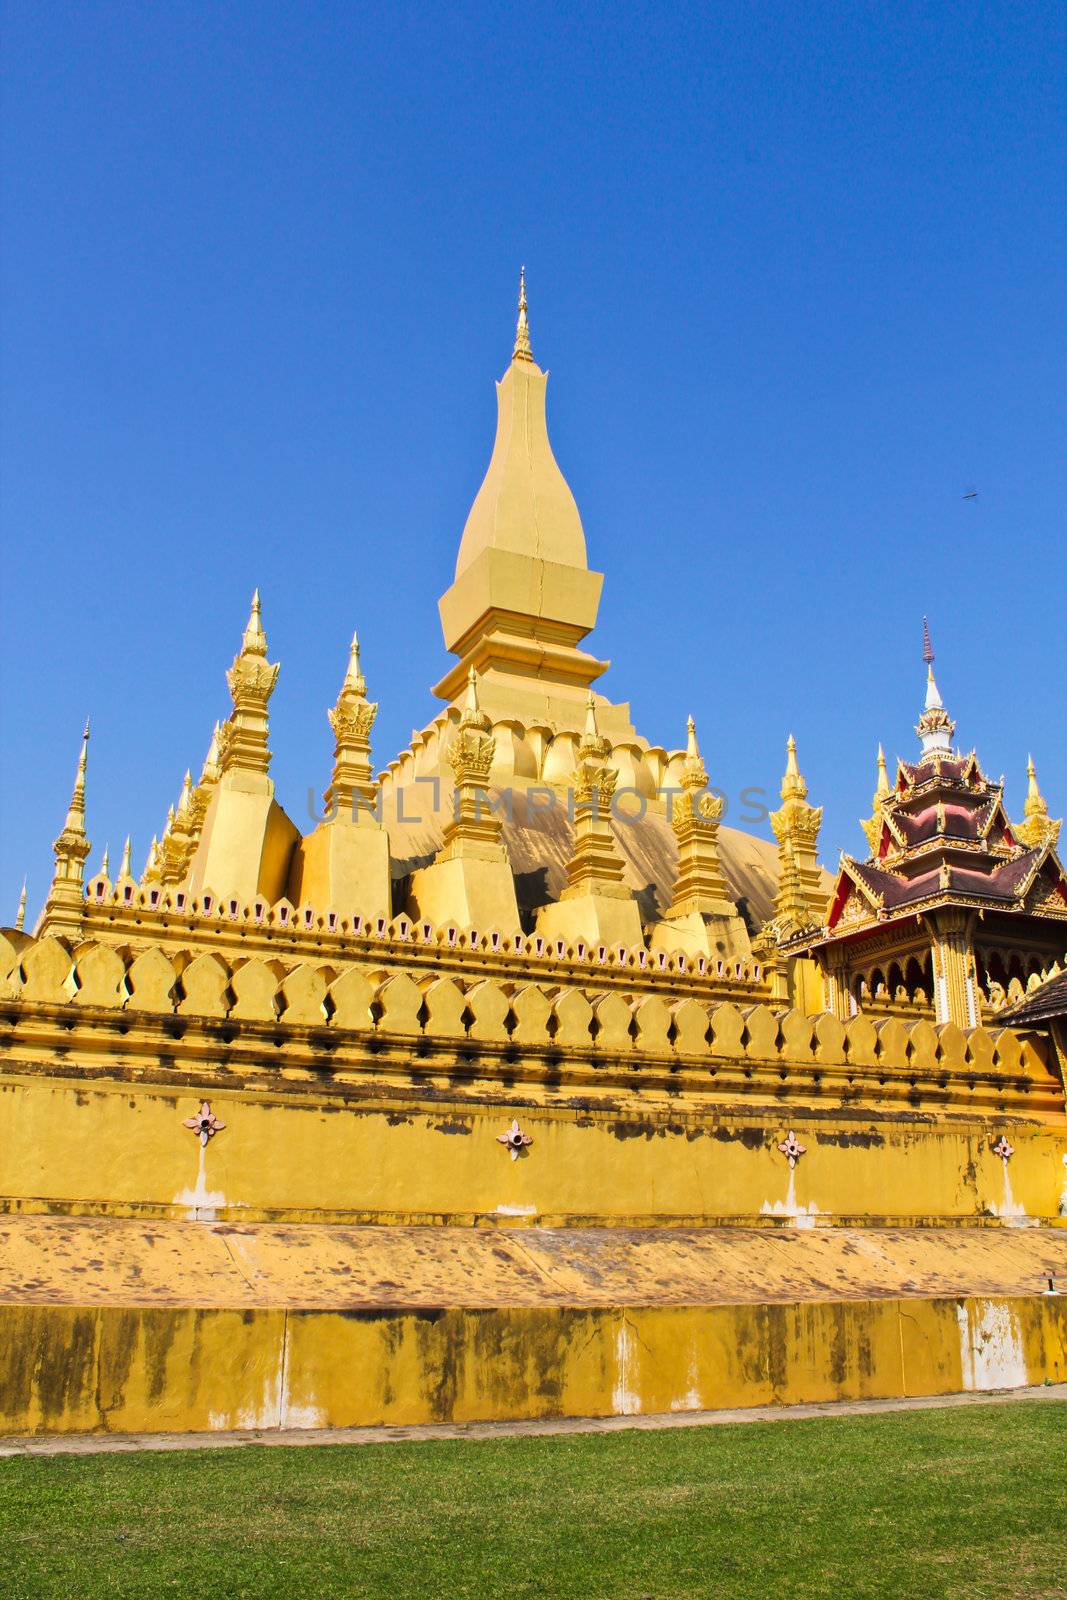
(522,351)
(65,908)
(595,866)
(695,816)
(125,874)
(251,679)
(801,899)
(352,789)
(1039,828)
(474,828)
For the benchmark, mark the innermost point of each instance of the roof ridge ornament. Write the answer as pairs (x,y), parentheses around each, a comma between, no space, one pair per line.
(522,351)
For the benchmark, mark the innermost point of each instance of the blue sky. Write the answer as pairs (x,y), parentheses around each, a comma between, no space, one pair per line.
(798,275)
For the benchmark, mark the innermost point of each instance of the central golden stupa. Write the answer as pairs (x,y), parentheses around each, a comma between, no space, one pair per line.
(520,1085)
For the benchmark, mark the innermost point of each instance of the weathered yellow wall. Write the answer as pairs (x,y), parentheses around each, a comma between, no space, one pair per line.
(121,1149)
(128,1369)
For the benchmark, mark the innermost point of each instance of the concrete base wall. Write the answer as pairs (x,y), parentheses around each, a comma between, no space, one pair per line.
(70,1369)
(110,1324)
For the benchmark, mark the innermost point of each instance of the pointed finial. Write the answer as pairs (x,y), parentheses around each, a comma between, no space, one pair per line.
(793,784)
(105,864)
(692,749)
(591,729)
(124,865)
(354,679)
(473,716)
(1037,828)
(522,351)
(76,810)
(210,770)
(255,640)
(883,777)
(935,727)
(20,915)
(1036,805)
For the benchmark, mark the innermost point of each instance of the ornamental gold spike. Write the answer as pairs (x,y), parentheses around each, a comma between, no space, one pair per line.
(20,915)
(522,351)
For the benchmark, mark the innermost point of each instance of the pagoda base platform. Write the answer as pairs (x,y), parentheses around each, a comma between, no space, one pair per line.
(169,1326)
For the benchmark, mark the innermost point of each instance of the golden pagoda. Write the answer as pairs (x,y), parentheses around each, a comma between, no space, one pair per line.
(520,1085)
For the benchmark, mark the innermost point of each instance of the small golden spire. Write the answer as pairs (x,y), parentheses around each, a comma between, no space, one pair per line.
(883,778)
(1035,800)
(105,864)
(522,351)
(473,716)
(186,795)
(124,865)
(76,810)
(692,749)
(1038,828)
(20,914)
(64,908)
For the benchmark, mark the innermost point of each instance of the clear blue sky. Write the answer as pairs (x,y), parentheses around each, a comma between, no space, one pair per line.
(798,274)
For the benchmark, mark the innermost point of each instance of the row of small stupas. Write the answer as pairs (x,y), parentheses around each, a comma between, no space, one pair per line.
(532,801)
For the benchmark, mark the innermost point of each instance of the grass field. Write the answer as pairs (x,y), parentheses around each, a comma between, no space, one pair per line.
(970,1503)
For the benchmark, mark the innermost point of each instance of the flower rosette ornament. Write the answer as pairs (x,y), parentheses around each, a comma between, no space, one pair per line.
(1003,1149)
(792,1148)
(515,1140)
(205,1124)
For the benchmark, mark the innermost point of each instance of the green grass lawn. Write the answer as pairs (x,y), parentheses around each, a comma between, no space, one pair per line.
(968,1502)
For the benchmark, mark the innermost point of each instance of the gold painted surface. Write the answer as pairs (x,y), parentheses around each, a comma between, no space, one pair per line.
(429,1152)
(87,1261)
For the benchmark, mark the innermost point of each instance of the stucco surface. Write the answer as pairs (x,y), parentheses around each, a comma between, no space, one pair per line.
(89,1261)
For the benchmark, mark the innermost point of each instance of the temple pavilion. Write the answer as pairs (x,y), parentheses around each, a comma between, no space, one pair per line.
(953,902)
